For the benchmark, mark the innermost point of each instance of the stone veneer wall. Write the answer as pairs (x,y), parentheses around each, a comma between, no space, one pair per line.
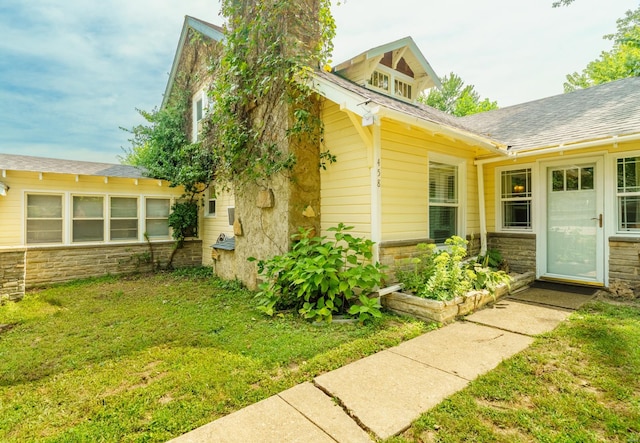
(12,274)
(46,265)
(624,266)
(519,250)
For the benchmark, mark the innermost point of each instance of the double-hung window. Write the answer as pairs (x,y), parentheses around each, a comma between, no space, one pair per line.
(44,218)
(444,201)
(515,199)
(124,218)
(88,218)
(157,217)
(628,194)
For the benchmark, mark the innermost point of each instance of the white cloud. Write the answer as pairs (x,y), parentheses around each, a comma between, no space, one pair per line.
(73,71)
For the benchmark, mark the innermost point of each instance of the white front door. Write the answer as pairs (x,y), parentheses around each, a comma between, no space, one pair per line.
(574,236)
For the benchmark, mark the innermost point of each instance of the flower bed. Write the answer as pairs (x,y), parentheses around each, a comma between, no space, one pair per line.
(447,311)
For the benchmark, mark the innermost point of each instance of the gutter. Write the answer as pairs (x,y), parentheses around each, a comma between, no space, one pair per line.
(613,140)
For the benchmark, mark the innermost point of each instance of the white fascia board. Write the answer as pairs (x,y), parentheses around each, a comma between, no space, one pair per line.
(349,100)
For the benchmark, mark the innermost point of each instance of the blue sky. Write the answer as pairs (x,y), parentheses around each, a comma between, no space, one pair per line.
(72,72)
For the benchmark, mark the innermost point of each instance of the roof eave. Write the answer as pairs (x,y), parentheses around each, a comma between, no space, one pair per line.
(359,105)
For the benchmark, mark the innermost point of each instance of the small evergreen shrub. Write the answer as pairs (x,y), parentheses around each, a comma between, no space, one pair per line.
(322,277)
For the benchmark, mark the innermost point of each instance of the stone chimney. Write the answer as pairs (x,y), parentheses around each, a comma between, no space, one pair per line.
(272,211)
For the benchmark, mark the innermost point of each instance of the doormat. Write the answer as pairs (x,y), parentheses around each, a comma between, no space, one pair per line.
(563,287)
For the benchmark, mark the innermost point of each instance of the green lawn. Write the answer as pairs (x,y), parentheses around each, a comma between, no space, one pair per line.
(148,358)
(579,383)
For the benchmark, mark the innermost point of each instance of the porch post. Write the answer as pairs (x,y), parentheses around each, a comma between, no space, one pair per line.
(483,212)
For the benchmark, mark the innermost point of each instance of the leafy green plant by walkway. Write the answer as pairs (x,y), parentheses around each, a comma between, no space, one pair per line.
(148,358)
(322,277)
(579,383)
(441,274)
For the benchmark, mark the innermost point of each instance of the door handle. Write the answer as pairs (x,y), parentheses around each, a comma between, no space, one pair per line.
(599,218)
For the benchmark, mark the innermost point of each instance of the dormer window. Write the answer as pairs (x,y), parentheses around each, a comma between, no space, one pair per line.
(402,89)
(384,78)
(380,80)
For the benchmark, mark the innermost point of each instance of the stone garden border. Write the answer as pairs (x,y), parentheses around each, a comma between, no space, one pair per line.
(447,311)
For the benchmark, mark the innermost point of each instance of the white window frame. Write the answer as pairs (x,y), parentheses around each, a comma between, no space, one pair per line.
(73,217)
(461,164)
(205,103)
(499,220)
(635,232)
(146,217)
(393,77)
(111,218)
(62,218)
(211,198)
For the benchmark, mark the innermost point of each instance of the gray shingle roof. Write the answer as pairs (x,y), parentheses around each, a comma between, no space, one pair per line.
(417,110)
(599,112)
(587,114)
(42,164)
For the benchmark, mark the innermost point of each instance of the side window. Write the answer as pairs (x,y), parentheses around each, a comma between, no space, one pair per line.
(124,218)
(628,194)
(157,217)
(44,218)
(88,219)
(201,105)
(515,199)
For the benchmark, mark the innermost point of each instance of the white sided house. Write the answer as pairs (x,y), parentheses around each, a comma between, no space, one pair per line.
(62,220)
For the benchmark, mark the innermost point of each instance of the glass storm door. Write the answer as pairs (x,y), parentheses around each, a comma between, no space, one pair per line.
(574,236)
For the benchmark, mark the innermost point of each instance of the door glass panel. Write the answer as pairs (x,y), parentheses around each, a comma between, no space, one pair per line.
(571,228)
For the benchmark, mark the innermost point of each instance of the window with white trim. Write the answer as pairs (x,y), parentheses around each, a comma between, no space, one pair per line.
(157,217)
(88,219)
(444,201)
(380,80)
(402,89)
(211,207)
(628,194)
(201,105)
(123,218)
(44,218)
(516,199)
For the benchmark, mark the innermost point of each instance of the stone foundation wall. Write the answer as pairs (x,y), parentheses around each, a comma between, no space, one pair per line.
(519,250)
(397,254)
(48,265)
(624,266)
(12,274)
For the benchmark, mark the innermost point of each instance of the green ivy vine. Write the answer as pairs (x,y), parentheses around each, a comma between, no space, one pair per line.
(268,56)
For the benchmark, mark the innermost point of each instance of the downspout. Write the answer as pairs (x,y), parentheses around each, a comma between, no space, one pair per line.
(483,211)
(376,191)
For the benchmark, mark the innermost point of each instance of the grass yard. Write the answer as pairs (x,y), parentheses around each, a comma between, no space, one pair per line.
(579,383)
(148,358)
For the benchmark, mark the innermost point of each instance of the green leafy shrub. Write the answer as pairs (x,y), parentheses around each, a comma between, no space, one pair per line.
(441,274)
(322,277)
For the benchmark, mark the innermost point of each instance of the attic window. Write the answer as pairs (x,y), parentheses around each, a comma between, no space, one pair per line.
(402,89)
(380,80)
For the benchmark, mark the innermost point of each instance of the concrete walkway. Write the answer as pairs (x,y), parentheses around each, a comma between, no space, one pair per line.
(381,395)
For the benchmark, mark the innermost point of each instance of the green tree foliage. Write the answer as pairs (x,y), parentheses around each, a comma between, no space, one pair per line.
(456,98)
(162,147)
(622,61)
